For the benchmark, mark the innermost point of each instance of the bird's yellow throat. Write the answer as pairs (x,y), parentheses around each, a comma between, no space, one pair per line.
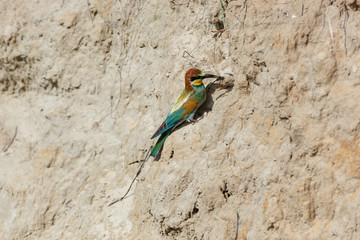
(197,82)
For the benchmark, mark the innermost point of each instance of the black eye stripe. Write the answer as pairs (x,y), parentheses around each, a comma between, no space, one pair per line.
(193,78)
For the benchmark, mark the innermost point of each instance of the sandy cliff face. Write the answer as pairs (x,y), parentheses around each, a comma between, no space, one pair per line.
(84,85)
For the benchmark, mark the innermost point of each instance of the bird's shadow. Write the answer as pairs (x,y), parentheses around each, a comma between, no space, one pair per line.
(206,107)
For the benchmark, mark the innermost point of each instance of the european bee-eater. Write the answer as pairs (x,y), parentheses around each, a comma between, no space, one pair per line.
(191,98)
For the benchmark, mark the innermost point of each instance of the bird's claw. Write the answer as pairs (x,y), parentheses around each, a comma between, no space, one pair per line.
(193,120)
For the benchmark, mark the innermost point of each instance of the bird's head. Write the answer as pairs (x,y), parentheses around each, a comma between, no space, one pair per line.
(195,76)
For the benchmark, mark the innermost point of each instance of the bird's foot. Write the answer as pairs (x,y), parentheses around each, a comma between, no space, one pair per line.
(193,120)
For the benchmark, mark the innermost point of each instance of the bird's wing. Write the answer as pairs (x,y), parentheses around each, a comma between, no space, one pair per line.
(183,106)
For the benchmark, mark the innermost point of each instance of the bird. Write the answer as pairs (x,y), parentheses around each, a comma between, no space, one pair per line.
(185,107)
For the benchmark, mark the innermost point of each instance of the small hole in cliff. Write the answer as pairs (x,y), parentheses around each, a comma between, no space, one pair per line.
(354,6)
(219,25)
(94,12)
(194,211)
(225,191)
(172,231)
(271,226)
(172,154)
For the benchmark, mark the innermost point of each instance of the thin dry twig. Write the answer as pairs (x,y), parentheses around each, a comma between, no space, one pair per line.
(237,226)
(245,7)
(302,10)
(320,5)
(11,141)
(186,52)
(132,182)
(219,78)
(345,19)
(330,28)
(222,13)
(218,31)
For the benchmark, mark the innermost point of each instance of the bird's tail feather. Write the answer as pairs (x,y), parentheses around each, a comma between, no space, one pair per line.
(156,148)
(160,130)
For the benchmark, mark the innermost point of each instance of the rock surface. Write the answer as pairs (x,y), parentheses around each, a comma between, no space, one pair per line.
(84,85)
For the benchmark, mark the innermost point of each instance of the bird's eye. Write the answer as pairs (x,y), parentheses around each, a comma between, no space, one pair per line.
(193,78)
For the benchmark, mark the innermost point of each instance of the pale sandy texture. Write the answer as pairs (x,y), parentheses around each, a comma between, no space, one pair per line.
(84,85)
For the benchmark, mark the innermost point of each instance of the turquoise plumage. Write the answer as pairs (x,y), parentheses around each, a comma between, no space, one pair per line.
(185,107)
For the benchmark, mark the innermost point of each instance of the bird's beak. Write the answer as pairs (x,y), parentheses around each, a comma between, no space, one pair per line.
(209,76)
